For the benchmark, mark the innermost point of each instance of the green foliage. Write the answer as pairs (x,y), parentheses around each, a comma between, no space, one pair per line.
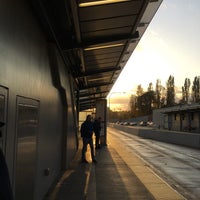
(132,105)
(144,102)
(140,90)
(185,91)
(170,92)
(196,90)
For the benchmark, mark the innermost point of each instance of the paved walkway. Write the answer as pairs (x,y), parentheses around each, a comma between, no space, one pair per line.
(118,175)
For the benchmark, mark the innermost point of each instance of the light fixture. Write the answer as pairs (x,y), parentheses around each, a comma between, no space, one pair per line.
(103,47)
(97,3)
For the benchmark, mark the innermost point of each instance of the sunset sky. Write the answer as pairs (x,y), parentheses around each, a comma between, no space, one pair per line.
(170,46)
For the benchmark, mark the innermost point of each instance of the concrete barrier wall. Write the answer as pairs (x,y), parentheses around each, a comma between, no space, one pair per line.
(173,137)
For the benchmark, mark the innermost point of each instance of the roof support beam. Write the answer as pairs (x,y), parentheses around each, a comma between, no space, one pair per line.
(98,72)
(100,41)
(90,99)
(94,93)
(95,85)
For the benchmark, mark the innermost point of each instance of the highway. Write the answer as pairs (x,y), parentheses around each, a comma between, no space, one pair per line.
(179,166)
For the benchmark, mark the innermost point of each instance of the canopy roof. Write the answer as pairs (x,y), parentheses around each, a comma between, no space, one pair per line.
(95,40)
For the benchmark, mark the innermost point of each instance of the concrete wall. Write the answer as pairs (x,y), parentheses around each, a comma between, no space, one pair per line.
(26,74)
(160,119)
(173,137)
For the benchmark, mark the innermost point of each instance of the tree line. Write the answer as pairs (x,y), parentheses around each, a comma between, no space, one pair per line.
(143,103)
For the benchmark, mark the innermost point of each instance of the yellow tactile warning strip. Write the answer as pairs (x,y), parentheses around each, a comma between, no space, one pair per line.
(156,186)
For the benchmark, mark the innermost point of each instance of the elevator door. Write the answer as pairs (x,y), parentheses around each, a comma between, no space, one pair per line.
(26,144)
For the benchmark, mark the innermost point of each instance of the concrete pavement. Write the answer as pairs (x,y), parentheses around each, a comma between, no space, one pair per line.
(118,175)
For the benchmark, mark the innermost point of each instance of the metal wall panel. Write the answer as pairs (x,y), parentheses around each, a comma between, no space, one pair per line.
(25,71)
(26,142)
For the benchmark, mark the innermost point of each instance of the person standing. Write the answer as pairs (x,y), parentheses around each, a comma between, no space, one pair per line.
(97,130)
(86,134)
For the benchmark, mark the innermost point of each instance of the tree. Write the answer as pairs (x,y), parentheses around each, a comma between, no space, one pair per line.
(140,90)
(150,87)
(132,104)
(163,97)
(196,90)
(145,103)
(139,93)
(158,93)
(170,92)
(185,91)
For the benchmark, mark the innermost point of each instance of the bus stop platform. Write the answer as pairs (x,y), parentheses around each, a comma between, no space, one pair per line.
(118,175)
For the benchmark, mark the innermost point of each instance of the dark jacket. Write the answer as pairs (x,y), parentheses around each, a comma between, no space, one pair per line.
(97,126)
(87,129)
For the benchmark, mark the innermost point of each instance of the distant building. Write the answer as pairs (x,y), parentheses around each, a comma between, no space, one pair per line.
(178,118)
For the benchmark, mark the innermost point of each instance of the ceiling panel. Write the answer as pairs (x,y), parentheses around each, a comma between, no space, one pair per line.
(107,23)
(111,10)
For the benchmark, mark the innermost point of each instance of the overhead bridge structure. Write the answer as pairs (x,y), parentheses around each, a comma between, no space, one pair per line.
(57,58)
